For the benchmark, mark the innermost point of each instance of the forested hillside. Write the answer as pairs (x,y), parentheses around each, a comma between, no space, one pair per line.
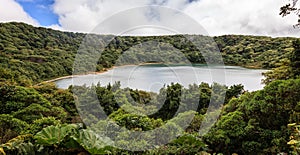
(42,119)
(31,55)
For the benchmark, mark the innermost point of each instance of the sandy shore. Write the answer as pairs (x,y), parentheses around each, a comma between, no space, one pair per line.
(88,73)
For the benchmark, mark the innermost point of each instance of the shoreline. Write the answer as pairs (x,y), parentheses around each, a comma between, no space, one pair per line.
(114,67)
(95,73)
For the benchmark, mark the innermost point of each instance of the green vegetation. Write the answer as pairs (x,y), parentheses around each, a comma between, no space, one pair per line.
(42,119)
(30,55)
(287,68)
(49,115)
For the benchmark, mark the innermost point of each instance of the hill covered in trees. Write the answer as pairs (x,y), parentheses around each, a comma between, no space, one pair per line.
(31,55)
(42,119)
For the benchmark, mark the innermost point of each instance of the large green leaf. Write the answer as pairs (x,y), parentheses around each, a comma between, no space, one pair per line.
(54,134)
(92,142)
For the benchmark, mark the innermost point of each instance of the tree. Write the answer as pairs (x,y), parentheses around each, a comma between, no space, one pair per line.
(10,127)
(255,123)
(295,58)
(282,72)
(291,8)
(287,68)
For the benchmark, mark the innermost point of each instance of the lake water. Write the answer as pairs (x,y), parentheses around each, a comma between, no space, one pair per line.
(152,77)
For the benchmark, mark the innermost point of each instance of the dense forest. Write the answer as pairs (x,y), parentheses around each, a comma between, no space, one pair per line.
(39,118)
(30,55)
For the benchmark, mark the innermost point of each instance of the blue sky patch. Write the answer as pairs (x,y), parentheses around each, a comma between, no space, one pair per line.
(40,10)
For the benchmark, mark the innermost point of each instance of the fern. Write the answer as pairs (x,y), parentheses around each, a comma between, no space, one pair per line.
(18,145)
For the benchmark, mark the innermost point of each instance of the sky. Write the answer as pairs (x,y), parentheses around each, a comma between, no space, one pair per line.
(146,17)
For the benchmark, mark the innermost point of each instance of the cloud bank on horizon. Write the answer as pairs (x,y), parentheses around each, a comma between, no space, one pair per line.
(218,17)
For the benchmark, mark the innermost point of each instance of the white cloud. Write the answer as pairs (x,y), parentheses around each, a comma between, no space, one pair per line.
(12,11)
(218,17)
(84,15)
(255,17)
